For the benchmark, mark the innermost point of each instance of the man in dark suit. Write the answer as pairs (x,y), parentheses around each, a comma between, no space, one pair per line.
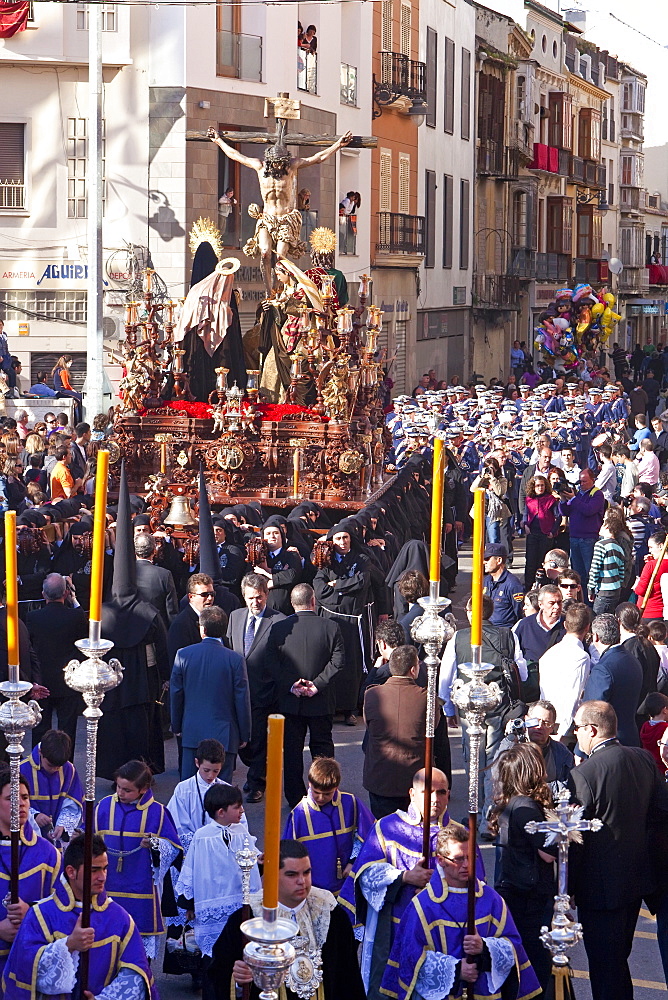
(209,695)
(306,653)
(247,634)
(53,631)
(395,715)
(155,584)
(78,450)
(616,678)
(611,871)
(184,630)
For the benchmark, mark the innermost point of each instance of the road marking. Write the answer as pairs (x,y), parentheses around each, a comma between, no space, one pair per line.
(645,934)
(351,743)
(647,915)
(459,770)
(645,983)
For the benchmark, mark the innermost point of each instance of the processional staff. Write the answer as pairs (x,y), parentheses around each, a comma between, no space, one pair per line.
(432,631)
(474,699)
(562,825)
(93,677)
(15,715)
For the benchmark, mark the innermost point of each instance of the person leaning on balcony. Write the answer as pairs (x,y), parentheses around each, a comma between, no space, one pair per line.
(308,40)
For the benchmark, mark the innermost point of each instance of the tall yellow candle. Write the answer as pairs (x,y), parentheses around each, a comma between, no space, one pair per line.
(12,582)
(436,513)
(272,810)
(99,532)
(477,571)
(295,472)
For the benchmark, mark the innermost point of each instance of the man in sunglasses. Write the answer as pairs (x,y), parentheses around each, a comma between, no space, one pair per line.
(184,630)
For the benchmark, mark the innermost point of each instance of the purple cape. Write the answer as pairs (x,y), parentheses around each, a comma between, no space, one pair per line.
(39,866)
(330,834)
(118,945)
(48,791)
(123,829)
(436,921)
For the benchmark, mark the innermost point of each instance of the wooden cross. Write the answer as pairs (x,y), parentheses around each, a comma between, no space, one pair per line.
(284,109)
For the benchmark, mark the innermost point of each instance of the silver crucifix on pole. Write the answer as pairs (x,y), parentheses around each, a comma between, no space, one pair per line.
(563,826)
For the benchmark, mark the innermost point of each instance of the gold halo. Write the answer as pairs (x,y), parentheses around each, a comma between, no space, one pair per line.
(322,240)
(228,265)
(204,231)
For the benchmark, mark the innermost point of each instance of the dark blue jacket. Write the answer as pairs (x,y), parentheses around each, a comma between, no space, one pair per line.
(617,678)
(508,595)
(210,697)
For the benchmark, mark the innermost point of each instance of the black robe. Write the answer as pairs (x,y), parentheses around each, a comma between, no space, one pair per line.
(131,726)
(341,977)
(77,565)
(201,367)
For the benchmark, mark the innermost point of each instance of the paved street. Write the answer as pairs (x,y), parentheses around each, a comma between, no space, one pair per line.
(646,966)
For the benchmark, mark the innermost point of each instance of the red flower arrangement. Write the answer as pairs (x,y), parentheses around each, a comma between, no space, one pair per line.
(268,411)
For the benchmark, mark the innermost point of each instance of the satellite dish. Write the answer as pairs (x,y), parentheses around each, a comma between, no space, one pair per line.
(615,265)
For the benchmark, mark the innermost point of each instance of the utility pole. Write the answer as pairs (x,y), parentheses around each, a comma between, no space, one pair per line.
(94,339)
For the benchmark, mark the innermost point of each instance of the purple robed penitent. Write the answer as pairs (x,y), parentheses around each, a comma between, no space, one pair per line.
(117,944)
(39,865)
(49,792)
(429,945)
(130,878)
(332,833)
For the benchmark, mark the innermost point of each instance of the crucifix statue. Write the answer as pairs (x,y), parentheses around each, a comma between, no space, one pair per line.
(563,825)
(279,221)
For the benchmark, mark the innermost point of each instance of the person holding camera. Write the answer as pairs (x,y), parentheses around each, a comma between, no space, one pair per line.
(537,727)
(524,874)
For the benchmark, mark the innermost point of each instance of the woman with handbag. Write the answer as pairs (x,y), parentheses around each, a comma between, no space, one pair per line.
(524,874)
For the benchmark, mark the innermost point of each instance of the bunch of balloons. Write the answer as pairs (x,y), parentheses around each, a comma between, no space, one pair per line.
(578,320)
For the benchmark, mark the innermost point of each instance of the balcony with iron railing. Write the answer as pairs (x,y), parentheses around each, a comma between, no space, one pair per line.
(307,71)
(400,235)
(525,263)
(12,194)
(348,235)
(564,162)
(496,160)
(239,56)
(402,77)
(631,198)
(633,279)
(496,291)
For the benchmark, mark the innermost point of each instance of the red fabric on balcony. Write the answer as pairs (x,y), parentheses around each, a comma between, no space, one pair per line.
(13,18)
(553,159)
(658,274)
(539,161)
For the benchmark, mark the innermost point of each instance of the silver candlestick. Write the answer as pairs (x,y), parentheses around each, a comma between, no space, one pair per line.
(16,716)
(475,699)
(432,630)
(245,857)
(562,825)
(92,678)
(269,952)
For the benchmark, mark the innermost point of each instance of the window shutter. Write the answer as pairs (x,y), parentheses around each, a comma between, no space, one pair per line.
(449,99)
(430,217)
(406,29)
(464,212)
(386,26)
(432,73)
(385,193)
(447,219)
(404,183)
(466,94)
(12,152)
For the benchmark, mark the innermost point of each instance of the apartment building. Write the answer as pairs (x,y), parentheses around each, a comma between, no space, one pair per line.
(446,184)
(504,144)
(399,92)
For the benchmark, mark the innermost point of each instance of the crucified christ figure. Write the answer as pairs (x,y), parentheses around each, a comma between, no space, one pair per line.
(279,221)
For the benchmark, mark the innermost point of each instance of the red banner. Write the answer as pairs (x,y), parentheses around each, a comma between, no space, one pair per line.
(13,17)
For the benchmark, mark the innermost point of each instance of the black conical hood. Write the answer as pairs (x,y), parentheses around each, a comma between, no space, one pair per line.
(124,585)
(208,552)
